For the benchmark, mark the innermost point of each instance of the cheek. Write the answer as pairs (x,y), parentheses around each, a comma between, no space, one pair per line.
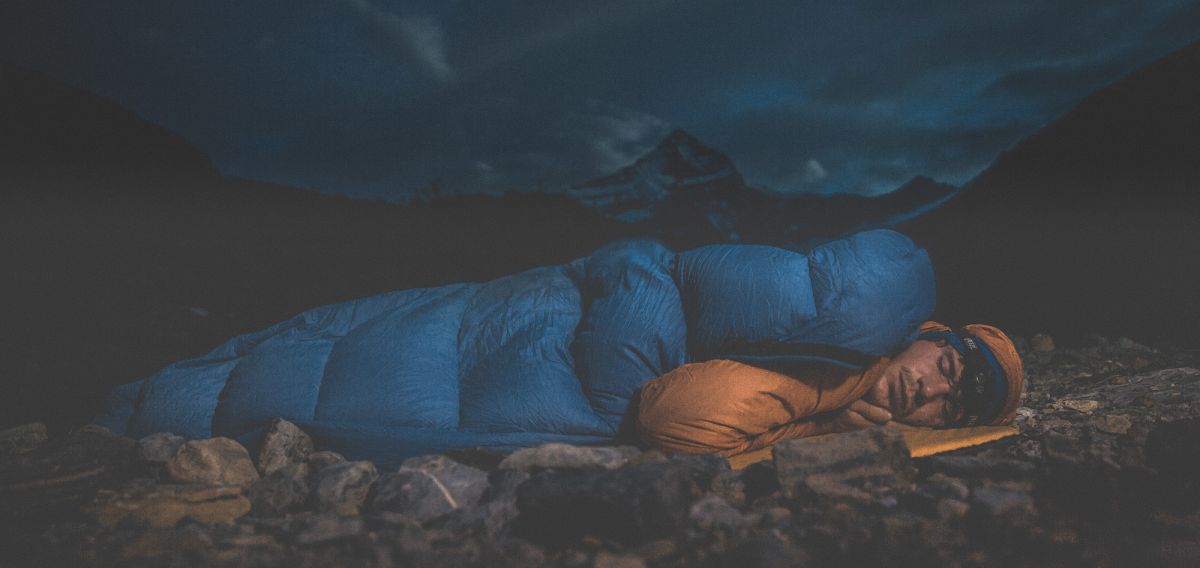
(928,414)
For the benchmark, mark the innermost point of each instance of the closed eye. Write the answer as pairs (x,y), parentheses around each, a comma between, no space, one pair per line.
(952,369)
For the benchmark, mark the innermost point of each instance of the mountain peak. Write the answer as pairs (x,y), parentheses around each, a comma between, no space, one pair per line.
(679,165)
(679,137)
(683,155)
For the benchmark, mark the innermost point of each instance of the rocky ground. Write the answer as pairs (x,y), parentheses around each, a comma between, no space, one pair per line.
(1106,472)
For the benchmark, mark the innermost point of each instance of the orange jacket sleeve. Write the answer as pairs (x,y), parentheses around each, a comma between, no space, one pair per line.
(728,407)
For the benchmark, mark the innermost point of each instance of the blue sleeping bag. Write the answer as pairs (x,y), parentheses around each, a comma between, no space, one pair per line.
(550,354)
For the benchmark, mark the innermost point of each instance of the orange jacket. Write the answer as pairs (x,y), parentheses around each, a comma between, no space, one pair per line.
(728,407)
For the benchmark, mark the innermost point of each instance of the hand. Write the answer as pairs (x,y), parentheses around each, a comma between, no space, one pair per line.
(860,414)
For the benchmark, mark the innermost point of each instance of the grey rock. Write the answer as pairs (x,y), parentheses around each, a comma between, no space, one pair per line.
(567,456)
(215,461)
(949,486)
(341,488)
(952,509)
(631,504)
(283,443)
(497,507)
(21,439)
(712,512)
(1001,501)
(319,529)
(928,496)
(428,487)
(282,492)
(860,466)
(159,448)
(324,458)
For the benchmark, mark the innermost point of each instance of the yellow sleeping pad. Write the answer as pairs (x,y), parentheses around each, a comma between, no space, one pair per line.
(921,442)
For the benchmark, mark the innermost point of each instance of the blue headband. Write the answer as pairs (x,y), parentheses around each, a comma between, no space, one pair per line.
(983,384)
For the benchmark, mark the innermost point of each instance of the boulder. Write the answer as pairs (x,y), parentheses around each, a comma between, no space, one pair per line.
(215,461)
(282,443)
(634,503)
(497,506)
(341,488)
(428,487)
(284,491)
(861,466)
(159,448)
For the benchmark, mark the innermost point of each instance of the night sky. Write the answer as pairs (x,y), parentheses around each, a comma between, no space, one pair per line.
(381,97)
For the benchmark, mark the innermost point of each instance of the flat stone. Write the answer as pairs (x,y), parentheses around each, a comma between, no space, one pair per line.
(282,443)
(215,461)
(341,488)
(861,466)
(567,456)
(428,487)
(159,448)
(23,438)
(165,505)
(1083,406)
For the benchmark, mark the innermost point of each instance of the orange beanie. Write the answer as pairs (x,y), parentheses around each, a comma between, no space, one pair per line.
(1005,353)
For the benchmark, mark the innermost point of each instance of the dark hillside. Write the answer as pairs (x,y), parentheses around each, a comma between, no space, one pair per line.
(125,251)
(1091,224)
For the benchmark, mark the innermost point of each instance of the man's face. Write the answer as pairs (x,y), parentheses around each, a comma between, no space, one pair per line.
(920,385)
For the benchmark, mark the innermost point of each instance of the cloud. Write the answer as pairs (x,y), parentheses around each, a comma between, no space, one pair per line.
(486,173)
(613,136)
(422,37)
(814,171)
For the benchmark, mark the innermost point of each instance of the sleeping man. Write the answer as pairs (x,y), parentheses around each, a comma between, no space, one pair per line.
(723,348)
(946,378)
